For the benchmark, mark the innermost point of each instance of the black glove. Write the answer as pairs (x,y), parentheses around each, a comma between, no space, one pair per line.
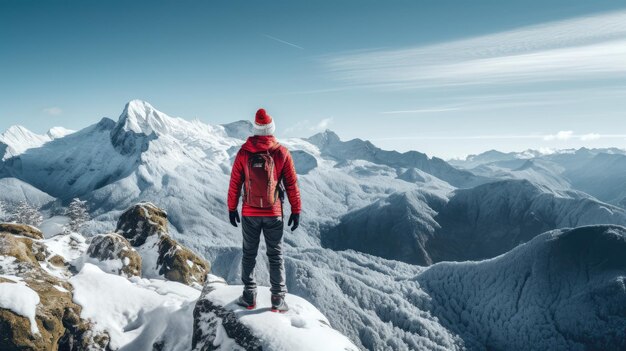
(234,217)
(295,219)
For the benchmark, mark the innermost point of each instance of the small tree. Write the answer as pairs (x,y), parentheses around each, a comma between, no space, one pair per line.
(78,214)
(26,214)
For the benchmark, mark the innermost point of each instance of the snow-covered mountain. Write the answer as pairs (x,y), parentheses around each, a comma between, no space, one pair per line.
(563,290)
(470,224)
(598,172)
(397,206)
(17,139)
(331,146)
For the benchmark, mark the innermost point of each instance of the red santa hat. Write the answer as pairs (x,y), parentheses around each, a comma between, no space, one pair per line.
(263,123)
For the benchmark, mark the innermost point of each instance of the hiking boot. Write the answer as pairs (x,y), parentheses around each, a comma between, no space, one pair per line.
(279,304)
(247,299)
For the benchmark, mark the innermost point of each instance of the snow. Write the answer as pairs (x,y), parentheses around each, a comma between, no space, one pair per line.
(19,139)
(70,246)
(54,226)
(15,191)
(8,268)
(563,290)
(136,313)
(303,327)
(184,167)
(20,299)
(149,252)
(58,132)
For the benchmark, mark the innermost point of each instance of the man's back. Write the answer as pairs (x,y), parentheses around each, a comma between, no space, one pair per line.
(271,165)
(284,171)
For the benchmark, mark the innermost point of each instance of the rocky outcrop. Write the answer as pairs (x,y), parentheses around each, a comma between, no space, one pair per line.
(146,228)
(219,324)
(179,264)
(21,229)
(55,323)
(142,221)
(115,254)
(209,317)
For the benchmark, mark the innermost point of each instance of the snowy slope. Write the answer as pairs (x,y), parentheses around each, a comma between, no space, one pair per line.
(184,167)
(603,176)
(17,139)
(563,290)
(471,224)
(14,191)
(598,172)
(137,313)
(227,326)
(356,149)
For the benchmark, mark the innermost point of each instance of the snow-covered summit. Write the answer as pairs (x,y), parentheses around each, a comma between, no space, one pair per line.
(58,132)
(140,117)
(19,139)
(220,324)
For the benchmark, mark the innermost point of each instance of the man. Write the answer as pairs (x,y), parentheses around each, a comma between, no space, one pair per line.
(261,165)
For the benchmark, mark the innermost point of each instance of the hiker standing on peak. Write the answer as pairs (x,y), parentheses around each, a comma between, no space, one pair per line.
(263,167)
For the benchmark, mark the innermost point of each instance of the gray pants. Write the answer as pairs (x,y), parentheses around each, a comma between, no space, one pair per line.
(272,228)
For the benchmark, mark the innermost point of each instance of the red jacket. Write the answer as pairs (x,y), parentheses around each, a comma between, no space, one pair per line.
(283,168)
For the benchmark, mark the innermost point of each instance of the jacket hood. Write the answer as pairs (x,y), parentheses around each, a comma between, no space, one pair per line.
(259,143)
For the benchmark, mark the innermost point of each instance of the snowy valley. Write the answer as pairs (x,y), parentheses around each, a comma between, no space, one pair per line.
(396,251)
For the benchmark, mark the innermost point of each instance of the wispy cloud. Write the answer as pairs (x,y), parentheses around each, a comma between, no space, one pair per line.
(53,111)
(590,136)
(562,135)
(283,41)
(310,126)
(323,124)
(581,48)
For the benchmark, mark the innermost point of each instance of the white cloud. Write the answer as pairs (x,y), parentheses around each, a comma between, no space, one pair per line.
(580,48)
(590,136)
(309,126)
(562,135)
(53,111)
(322,125)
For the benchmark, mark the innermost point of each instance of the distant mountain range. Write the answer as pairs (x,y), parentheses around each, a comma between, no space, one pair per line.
(598,172)
(372,218)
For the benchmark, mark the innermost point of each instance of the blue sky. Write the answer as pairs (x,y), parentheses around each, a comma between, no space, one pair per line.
(448,78)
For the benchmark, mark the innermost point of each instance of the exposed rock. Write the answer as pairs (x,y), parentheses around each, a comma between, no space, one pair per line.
(23,249)
(208,317)
(145,227)
(114,254)
(57,261)
(57,316)
(219,324)
(141,221)
(21,229)
(178,263)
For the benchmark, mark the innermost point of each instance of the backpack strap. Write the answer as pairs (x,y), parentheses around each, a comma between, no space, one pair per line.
(279,185)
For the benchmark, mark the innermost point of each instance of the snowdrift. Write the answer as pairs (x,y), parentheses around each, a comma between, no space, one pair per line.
(136,290)
(220,324)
